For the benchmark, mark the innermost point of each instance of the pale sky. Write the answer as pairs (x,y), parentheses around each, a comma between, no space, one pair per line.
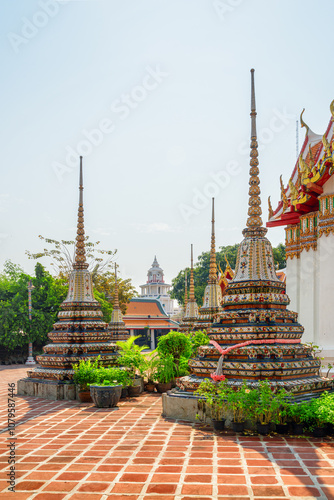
(155,94)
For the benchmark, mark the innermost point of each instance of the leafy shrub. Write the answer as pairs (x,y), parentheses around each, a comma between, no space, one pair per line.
(131,357)
(112,375)
(165,369)
(175,343)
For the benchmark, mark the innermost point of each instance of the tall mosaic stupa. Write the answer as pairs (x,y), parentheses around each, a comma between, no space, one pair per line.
(255,336)
(80,332)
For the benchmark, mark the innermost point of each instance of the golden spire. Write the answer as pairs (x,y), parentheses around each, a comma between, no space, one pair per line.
(303,124)
(80,252)
(213,265)
(116,299)
(192,287)
(254,221)
(185,290)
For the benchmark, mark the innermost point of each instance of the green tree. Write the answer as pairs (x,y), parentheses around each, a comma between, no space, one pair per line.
(15,328)
(279,256)
(61,254)
(201,270)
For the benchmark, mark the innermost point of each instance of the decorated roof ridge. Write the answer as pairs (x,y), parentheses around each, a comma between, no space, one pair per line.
(254,221)
(80,252)
(213,265)
(318,148)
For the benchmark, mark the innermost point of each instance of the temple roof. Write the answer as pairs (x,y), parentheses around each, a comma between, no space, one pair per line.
(147,312)
(313,168)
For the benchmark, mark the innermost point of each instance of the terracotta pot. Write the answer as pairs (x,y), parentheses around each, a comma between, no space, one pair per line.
(85,396)
(263,428)
(164,387)
(150,387)
(319,432)
(218,425)
(134,390)
(106,396)
(297,429)
(282,428)
(238,426)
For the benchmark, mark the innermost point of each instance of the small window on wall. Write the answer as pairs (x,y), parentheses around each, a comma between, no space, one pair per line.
(158,289)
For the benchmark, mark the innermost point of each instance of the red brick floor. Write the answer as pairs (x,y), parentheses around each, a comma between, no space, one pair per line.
(71,451)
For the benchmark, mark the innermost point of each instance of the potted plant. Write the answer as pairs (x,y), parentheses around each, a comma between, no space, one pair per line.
(301,416)
(239,402)
(323,414)
(213,398)
(132,359)
(112,374)
(151,363)
(283,401)
(85,374)
(106,394)
(165,372)
(265,407)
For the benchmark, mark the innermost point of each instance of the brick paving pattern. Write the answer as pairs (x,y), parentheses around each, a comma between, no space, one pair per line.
(72,451)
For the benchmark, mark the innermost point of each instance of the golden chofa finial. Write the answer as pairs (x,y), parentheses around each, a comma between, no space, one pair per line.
(331,107)
(283,195)
(327,146)
(302,123)
(305,169)
(311,161)
(293,191)
(270,209)
(80,252)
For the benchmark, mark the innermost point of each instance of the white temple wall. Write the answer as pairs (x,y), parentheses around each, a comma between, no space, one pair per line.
(325,334)
(292,283)
(307,294)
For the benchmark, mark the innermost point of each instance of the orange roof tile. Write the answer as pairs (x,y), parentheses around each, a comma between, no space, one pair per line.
(143,309)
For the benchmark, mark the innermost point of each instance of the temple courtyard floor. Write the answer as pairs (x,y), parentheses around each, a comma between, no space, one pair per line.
(67,450)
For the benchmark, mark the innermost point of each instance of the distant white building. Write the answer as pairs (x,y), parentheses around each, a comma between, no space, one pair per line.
(156,288)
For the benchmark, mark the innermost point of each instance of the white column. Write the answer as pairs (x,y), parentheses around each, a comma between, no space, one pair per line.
(307,282)
(152,339)
(325,333)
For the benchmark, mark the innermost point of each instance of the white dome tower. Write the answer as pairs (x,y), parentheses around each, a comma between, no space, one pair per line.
(156,288)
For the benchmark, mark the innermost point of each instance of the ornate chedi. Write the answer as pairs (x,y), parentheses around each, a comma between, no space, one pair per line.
(212,294)
(80,332)
(256,337)
(116,326)
(191,307)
